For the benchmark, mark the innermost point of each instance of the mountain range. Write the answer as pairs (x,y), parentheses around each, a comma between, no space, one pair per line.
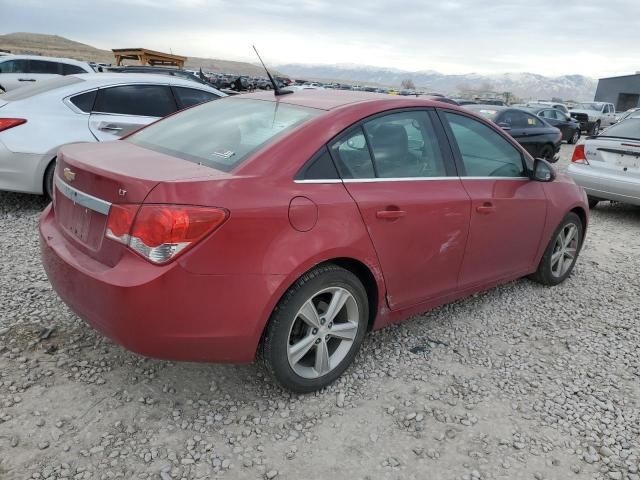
(527,86)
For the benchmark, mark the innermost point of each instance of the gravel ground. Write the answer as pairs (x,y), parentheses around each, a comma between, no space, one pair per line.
(520,382)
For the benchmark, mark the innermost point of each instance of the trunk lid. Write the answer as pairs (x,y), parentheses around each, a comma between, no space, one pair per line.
(614,156)
(90,177)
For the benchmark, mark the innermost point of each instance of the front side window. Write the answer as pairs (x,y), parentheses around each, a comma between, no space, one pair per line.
(13,66)
(188,97)
(484,152)
(517,119)
(404,144)
(141,100)
(44,67)
(223,133)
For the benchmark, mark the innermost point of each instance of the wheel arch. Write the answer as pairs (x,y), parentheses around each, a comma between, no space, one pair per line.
(582,215)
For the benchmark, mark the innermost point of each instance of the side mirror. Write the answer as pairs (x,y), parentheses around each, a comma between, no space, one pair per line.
(505,126)
(542,171)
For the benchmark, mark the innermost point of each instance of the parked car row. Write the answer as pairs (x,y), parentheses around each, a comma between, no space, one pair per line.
(36,121)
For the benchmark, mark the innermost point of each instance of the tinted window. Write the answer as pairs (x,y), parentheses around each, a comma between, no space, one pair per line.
(352,155)
(84,101)
(143,100)
(405,145)
(13,66)
(223,133)
(320,167)
(71,69)
(518,119)
(484,152)
(188,97)
(43,66)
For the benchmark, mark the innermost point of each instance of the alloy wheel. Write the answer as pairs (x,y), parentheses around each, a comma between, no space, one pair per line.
(323,332)
(565,250)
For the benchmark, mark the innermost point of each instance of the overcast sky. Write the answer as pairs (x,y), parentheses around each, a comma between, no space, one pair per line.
(550,37)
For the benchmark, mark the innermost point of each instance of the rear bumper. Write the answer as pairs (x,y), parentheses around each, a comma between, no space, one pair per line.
(159,311)
(605,185)
(21,172)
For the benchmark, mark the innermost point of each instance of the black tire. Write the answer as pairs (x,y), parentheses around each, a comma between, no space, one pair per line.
(595,129)
(544,274)
(575,137)
(47,182)
(593,201)
(547,152)
(276,341)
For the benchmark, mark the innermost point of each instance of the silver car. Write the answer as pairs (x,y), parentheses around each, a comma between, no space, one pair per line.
(608,166)
(36,121)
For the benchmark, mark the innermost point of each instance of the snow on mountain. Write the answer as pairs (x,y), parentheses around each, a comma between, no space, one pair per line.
(524,85)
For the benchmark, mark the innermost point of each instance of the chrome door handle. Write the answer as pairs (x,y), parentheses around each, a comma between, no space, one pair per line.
(111,128)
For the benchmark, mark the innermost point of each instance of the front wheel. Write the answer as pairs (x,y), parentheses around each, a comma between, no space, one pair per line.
(316,329)
(595,129)
(547,152)
(561,254)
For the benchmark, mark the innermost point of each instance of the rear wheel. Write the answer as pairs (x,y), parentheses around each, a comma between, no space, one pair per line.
(316,329)
(547,152)
(562,252)
(575,137)
(47,185)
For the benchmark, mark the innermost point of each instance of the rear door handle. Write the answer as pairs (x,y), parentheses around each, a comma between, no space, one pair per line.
(111,128)
(390,214)
(485,208)
(26,79)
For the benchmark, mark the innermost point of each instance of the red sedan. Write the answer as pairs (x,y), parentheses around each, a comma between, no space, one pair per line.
(295,224)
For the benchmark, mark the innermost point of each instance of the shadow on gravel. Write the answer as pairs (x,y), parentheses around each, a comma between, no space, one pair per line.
(17,203)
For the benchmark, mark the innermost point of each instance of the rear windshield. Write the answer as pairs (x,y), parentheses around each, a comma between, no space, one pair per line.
(485,111)
(629,128)
(41,86)
(222,134)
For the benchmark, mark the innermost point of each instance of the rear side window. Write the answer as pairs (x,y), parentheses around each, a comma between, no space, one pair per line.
(141,100)
(13,66)
(223,133)
(320,167)
(71,69)
(629,128)
(352,155)
(44,67)
(484,152)
(84,101)
(188,97)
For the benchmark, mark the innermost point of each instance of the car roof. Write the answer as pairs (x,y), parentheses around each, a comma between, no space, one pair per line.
(70,61)
(329,99)
(105,78)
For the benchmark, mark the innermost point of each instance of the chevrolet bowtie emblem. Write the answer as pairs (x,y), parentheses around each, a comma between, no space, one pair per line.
(69,174)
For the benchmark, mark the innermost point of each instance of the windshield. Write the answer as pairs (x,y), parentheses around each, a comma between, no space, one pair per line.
(588,106)
(41,86)
(630,128)
(485,111)
(222,134)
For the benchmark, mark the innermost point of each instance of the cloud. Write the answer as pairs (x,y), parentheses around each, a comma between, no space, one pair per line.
(594,38)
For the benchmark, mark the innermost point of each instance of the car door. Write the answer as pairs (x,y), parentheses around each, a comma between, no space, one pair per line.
(122,109)
(526,129)
(609,115)
(13,74)
(508,209)
(559,120)
(43,69)
(398,168)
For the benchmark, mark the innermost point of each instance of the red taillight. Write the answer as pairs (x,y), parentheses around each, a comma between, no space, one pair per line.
(578,155)
(160,232)
(7,123)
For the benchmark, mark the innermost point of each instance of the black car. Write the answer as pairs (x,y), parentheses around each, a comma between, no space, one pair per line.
(538,137)
(569,127)
(176,72)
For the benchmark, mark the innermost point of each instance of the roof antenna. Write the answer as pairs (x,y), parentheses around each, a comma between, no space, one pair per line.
(276,89)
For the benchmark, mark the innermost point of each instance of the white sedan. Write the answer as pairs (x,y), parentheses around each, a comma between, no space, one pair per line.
(21,70)
(36,121)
